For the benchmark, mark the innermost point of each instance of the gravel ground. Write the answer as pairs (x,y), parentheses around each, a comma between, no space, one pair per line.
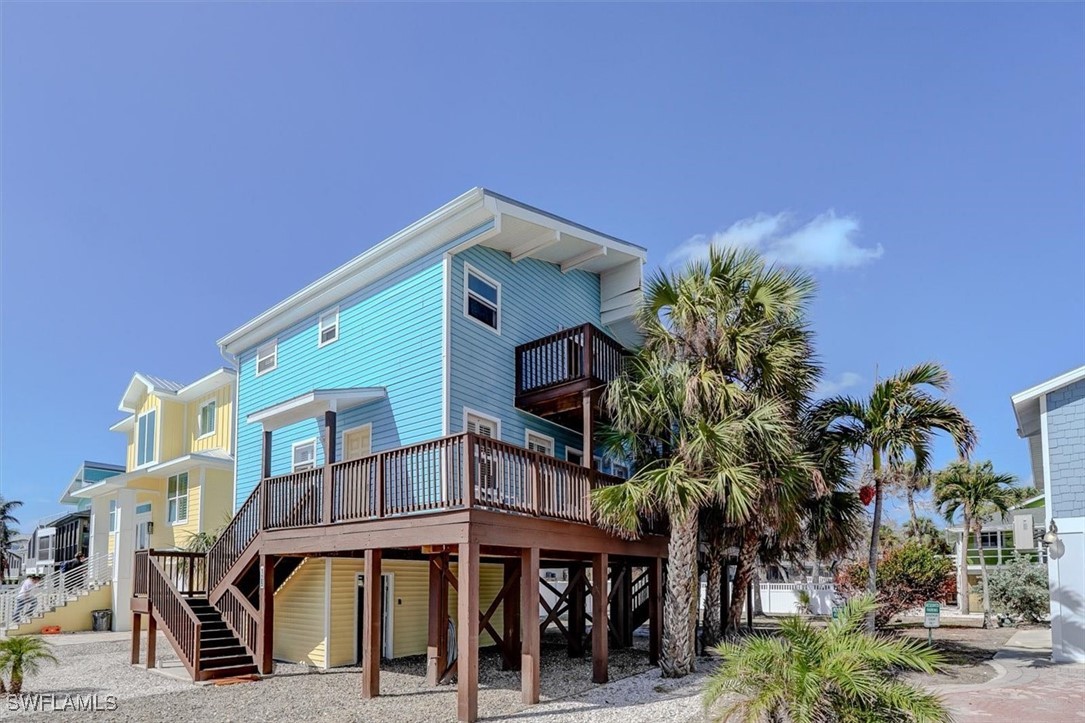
(294,692)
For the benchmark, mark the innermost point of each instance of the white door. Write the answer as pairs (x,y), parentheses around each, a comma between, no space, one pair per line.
(357,442)
(143,526)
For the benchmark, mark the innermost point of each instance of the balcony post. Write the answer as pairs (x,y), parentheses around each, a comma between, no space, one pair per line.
(371,630)
(586,352)
(655,607)
(529,617)
(588,402)
(265,467)
(599,626)
(329,460)
(469,470)
(265,643)
(378,483)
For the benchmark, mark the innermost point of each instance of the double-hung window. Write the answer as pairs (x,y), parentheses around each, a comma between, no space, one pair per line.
(267,357)
(539,443)
(304,456)
(113,515)
(482,300)
(145,430)
(328,328)
(177,498)
(207,417)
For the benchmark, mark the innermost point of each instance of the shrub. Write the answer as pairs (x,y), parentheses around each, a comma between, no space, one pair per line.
(1019,589)
(907,576)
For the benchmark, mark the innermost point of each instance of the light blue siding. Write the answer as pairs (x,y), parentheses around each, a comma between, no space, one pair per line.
(536,300)
(1066,449)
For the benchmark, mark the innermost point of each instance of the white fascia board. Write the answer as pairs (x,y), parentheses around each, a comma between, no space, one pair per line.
(312,404)
(209,383)
(124,425)
(396,251)
(1029,398)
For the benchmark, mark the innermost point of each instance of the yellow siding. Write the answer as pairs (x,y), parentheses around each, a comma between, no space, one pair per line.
(299,616)
(343,625)
(72,617)
(217,500)
(171,417)
(130,458)
(220,438)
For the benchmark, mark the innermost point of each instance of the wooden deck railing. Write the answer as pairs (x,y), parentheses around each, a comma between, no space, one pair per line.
(180,623)
(582,352)
(293,500)
(234,540)
(139,573)
(186,570)
(241,616)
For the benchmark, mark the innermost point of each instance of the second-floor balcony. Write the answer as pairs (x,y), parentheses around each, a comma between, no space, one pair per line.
(556,375)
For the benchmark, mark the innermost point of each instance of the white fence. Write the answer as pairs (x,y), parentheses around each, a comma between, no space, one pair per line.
(782,598)
(54,590)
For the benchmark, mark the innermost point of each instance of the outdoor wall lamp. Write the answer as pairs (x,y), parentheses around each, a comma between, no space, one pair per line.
(150,528)
(1051,537)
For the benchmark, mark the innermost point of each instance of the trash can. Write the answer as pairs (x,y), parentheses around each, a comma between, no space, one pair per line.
(101,620)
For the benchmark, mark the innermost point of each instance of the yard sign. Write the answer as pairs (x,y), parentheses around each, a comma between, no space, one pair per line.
(932,612)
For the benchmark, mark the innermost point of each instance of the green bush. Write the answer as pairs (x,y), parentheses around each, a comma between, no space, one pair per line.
(1019,589)
(908,576)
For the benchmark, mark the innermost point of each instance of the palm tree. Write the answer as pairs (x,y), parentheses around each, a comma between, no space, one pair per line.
(23,655)
(688,410)
(927,533)
(977,492)
(912,480)
(810,674)
(900,417)
(8,526)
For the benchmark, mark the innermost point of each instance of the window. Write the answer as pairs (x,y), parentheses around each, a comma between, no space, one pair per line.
(328,330)
(113,515)
(145,438)
(989,540)
(177,498)
(574,455)
(45,544)
(482,426)
(207,417)
(267,357)
(619,469)
(482,301)
(304,456)
(539,443)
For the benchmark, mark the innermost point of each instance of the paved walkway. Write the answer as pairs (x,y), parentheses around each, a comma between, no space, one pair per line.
(1028,687)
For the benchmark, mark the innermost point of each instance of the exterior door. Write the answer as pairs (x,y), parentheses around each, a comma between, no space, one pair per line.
(357,442)
(143,526)
(387,600)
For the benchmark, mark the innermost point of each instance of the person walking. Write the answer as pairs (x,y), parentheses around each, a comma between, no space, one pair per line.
(25,602)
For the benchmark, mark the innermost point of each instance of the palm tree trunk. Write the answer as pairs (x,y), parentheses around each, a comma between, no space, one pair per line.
(680,599)
(747,558)
(983,578)
(911,508)
(872,558)
(710,630)
(962,577)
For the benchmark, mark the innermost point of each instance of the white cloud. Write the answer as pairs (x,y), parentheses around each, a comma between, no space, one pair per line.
(832,387)
(827,241)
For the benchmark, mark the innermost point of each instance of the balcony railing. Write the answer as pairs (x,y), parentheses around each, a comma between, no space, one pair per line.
(582,353)
(186,571)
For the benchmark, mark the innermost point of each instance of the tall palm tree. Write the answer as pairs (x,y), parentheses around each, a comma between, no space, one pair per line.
(8,526)
(689,408)
(900,417)
(912,480)
(810,674)
(977,492)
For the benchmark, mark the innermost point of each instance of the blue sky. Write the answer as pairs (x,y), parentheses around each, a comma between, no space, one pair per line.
(171,170)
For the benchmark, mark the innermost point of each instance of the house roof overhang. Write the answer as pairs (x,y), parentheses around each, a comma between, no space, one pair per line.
(144,383)
(157,471)
(478,217)
(1026,404)
(313,404)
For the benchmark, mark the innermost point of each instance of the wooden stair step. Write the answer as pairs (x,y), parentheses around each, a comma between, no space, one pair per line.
(213,673)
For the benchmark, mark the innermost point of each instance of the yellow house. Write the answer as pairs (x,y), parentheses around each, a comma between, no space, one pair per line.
(179,478)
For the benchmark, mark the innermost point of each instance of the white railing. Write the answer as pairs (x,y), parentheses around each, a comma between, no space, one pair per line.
(782,598)
(55,590)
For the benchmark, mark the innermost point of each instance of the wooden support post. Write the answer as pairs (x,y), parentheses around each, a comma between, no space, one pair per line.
(621,603)
(599,629)
(467,634)
(576,611)
(655,609)
(725,597)
(136,624)
(329,460)
(152,638)
(588,402)
(371,622)
(437,645)
(749,607)
(266,641)
(265,466)
(510,607)
(529,618)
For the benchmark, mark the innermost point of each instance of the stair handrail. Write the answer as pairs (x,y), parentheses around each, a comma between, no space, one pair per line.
(56,588)
(179,623)
(234,539)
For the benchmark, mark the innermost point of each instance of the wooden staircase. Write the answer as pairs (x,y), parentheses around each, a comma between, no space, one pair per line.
(221,653)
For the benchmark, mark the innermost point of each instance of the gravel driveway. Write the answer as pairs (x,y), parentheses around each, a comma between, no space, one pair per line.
(92,666)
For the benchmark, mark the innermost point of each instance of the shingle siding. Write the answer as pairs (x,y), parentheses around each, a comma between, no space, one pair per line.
(1066,450)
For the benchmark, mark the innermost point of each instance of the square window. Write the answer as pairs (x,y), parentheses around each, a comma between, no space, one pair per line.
(207,418)
(304,456)
(574,455)
(177,498)
(267,357)
(482,300)
(539,443)
(328,328)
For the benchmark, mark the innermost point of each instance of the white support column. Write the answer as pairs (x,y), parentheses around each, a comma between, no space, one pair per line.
(99,534)
(124,558)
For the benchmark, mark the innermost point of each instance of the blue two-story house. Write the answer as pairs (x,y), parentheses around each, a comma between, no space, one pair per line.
(415,430)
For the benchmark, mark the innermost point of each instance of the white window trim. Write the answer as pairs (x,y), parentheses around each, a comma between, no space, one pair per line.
(302,443)
(529,433)
(214,418)
(274,343)
(154,440)
(467,411)
(113,516)
(320,329)
(188,487)
(468,269)
(342,446)
(569,449)
(388,647)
